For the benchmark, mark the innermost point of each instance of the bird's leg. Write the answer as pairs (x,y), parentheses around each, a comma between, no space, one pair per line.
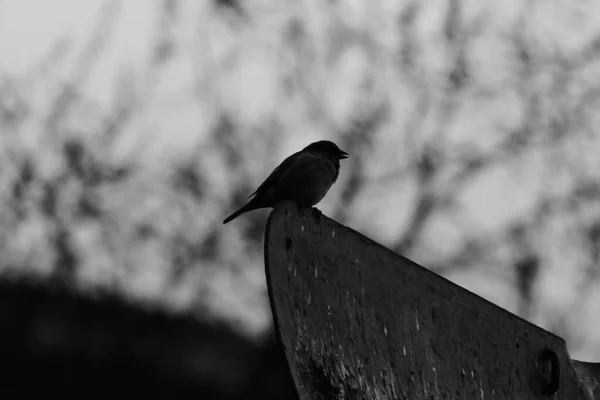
(300,208)
(316,213)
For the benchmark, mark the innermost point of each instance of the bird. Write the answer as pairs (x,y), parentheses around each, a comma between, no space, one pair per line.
(304,177)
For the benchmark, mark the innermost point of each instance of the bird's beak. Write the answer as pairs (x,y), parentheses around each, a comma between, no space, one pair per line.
(343,155)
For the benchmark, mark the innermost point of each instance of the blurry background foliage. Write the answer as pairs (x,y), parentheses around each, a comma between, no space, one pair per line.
(129,129)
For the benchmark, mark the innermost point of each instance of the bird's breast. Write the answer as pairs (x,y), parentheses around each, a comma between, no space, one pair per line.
(308,180)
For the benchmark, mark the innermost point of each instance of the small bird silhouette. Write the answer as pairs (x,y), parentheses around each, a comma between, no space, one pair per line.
(304,177)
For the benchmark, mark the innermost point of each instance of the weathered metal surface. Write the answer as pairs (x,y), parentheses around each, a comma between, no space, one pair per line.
(358,321)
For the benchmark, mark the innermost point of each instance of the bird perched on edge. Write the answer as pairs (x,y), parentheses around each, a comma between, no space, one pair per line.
(304,177)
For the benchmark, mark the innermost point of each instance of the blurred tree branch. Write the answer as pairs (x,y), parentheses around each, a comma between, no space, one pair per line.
(428,101)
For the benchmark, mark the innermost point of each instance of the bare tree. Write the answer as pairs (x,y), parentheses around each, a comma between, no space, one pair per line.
(472,136)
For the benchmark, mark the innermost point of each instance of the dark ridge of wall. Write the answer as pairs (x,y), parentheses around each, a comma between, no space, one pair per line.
(358,321)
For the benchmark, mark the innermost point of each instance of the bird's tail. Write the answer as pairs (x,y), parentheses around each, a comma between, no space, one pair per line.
(248,207)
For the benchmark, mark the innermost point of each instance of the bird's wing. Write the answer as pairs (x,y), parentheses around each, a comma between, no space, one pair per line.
(276,174)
